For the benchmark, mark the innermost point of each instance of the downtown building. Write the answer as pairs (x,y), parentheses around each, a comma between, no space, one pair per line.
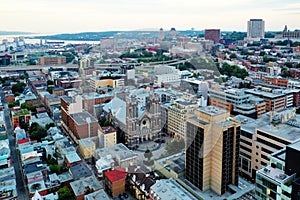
(77,123)
(178,113)
(213,35)
(280,179)
(212,150)
(276,99)
(52,60)
(237,102)
(256,29)
(264,136)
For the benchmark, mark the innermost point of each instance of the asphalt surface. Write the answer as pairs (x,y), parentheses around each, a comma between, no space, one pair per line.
(21,189)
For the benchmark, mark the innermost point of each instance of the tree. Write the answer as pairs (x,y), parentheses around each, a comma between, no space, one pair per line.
(175,146)
(27,106)
(24,125)
(285,72)
(288,64)
(24,76)
(48,126)
(13,104)
(148,161)
(50,89)
(234,70)
(65,194)
(55,168)
(37,132)
(233,56)
(50,82)
(18,88)
(267,59)
(36,186)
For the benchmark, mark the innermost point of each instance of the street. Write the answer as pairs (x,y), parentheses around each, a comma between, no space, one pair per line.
(21,189)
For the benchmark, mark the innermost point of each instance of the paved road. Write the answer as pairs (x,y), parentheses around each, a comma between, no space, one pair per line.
(21,189)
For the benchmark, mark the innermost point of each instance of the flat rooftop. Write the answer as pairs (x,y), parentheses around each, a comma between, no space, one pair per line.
(95,95)
(73,157)
(212,110)
(7,174)
(275,174)
(101,194)
(295,145)
(185,103)
(87,142)
(80,171)
(119,151)
(243,188)
(82,118)
(282,130)
(79,186)
(262,93)
(170,189)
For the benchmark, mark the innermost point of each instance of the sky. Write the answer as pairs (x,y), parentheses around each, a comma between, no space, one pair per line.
(64,16)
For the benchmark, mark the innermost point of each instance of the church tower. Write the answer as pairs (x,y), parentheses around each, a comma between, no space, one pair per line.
(132,133)
(154,103)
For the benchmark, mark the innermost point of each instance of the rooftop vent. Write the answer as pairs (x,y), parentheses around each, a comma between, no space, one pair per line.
(282,176)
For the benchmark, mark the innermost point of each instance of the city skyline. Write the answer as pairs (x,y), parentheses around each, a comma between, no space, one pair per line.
(75,16)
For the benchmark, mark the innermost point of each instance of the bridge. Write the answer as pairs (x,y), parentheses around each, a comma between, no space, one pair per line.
(15,68)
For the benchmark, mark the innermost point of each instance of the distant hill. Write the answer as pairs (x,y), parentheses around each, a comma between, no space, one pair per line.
(14,33)
(87,36)
(96,36)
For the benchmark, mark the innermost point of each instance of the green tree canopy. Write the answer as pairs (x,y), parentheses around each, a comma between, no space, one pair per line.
(175,146)
(65,194)
(27,106)
(49,125)
(18,88)
(54,168)
(148,154)
(288,64)
(37,132)
(232,56)
(233,70)
(50,82)
(13,104)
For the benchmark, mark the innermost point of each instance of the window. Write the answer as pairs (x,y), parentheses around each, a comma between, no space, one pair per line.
(274,146)
(246,142)
(273,138)
(263,163)
(266,150)
(246,134)
(264,157)
(245,155)
(245,148)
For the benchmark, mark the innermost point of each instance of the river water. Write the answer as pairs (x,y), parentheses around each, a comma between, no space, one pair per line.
(10,38)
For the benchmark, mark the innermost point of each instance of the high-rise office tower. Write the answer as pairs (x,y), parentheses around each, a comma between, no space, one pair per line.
(256,28)
(161,34)
(212,149)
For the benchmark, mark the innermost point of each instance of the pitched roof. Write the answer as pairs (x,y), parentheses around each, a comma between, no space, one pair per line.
(118,109)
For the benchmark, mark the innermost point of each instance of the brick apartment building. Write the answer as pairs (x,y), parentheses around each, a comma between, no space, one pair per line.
(115,181)
(52,60)
(20,117)
(212,34)
(78,124)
